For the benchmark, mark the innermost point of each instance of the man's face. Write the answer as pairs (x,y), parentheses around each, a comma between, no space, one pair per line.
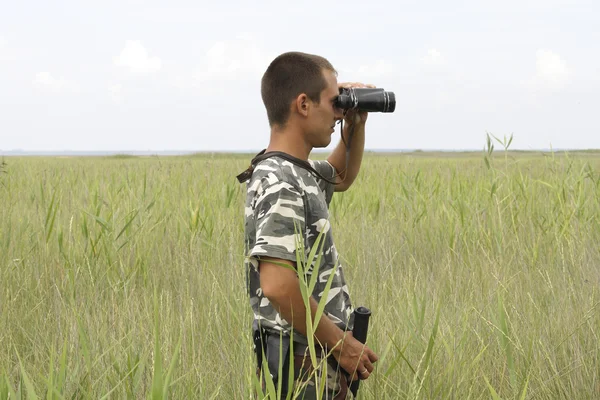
(323,116)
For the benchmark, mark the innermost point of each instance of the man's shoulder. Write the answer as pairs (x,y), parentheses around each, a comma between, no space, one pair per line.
(275,169)
(274,172)
(285,169)
(324,167)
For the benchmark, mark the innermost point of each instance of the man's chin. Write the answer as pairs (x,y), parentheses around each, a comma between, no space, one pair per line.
(324,143)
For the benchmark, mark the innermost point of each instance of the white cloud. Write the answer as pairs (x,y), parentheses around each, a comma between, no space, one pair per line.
(366,73)
(551,69)
(238,58)
(433,58)
(377,69)
(135,57)
(5,52)
(46,80)
(116,93)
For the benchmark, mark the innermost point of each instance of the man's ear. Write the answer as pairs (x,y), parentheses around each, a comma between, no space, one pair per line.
(302,104)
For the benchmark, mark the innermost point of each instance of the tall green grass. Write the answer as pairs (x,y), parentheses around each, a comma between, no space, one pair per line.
(122,277)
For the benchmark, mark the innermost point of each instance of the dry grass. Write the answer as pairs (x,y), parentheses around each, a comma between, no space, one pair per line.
(122,276)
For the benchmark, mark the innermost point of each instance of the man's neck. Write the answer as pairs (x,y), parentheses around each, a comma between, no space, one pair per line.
(289,142)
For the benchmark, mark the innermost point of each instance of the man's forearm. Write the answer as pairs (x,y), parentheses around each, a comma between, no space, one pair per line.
(338,156)
(292,309)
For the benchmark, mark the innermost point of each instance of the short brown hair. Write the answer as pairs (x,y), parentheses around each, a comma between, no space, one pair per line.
(289,75)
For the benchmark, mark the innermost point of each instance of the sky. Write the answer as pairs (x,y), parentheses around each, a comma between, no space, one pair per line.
(185,75)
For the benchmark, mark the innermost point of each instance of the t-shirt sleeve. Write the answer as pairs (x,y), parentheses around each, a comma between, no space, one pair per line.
(327,170)
(280,221)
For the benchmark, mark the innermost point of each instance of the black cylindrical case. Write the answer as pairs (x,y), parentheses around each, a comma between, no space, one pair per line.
(361,326)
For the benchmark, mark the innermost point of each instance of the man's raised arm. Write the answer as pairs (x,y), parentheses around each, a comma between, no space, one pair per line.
(338,157)
(357,144)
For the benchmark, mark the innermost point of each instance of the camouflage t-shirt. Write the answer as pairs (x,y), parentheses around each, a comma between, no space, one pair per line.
(280,194)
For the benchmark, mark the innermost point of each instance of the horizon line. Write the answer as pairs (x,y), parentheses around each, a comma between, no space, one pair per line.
(133,153)
(21,152)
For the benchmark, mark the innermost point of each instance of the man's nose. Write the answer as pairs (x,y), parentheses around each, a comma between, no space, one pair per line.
(339,113)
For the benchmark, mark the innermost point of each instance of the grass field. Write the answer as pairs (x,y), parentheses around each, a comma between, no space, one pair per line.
(121,277)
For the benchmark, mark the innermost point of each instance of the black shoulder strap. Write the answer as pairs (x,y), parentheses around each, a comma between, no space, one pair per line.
(263,155)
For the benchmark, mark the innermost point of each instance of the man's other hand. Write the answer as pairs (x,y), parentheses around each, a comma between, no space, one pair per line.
(355,357)
(353,117)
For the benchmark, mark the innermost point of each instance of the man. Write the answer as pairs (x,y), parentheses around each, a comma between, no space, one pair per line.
(287,203)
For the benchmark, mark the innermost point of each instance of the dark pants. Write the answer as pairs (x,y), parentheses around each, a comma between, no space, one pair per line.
(307,380)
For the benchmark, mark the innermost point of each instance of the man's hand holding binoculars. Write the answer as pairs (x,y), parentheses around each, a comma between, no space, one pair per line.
(354,116)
